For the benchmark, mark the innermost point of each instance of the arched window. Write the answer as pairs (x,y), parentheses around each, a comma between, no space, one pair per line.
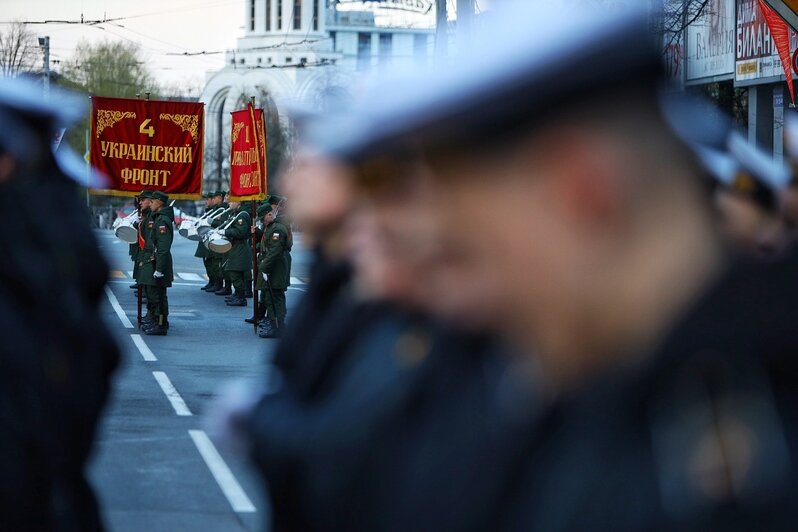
(297,14)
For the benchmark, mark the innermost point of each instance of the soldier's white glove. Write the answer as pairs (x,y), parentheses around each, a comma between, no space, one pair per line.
(157,275)
(225,415)
(265,277)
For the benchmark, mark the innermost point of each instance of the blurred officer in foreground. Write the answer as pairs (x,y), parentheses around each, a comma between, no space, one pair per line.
(749,198)
(666,374)
(790,195)
(157,273)
(382,419)
(54,374)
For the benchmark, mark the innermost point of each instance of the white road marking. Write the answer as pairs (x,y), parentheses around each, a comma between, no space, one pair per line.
(130,274)
(145,351)
(181,409)
(190,276)
(296,280)
(224,477)
(134,292)
(117,308)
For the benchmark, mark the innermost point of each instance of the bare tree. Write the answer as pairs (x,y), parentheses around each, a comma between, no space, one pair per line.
(676,15)
(18,50)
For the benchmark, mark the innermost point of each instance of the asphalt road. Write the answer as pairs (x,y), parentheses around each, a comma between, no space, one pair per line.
(154,466)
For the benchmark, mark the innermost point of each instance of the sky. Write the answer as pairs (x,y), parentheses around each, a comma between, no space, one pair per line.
(163,28)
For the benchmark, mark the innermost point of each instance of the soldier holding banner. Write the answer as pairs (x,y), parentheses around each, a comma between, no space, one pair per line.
(274,266)
(156,263)
(143,200)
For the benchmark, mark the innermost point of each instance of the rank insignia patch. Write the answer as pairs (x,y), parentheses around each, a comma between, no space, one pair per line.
(162,230)
(276,236)
(240,221)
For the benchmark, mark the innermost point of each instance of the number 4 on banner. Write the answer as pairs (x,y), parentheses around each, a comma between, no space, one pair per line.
(144,130)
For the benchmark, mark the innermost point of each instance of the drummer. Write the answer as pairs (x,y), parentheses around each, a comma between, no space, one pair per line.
(223,285)
(212,202)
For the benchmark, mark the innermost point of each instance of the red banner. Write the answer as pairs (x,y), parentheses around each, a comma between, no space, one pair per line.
(781,36)
(248,155)
(148,144)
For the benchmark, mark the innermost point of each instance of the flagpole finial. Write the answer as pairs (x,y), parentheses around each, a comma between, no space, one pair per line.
(252,100)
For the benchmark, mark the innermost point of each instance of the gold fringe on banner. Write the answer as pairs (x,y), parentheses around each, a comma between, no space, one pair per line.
(130,194)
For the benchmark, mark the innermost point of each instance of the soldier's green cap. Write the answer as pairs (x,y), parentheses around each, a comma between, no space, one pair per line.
(275,199)
(206,195)
(263,210)
(160,196)
(145,194)
(219,193)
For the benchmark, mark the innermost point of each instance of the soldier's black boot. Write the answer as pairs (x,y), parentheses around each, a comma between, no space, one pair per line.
(147,320)
(217,285)
(225,290)
(265,327)
(275,330)
(158,328)
(210,284)
(238,300)
(258,316)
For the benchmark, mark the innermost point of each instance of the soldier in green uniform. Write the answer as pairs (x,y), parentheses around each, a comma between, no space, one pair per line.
(143,200)
(134,247)
(238,260)
(144,227)
(212,204)
(274,266)
(155,262)
(278,203)
(223,285)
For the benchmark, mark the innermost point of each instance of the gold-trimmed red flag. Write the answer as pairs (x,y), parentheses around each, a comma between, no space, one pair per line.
(780,32)
(248,180)
(148,144)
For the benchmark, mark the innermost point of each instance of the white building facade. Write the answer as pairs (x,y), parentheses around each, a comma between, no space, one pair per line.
(304,52)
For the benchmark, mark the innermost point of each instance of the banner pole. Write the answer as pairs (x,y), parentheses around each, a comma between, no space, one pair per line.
(138,284)
(255,302)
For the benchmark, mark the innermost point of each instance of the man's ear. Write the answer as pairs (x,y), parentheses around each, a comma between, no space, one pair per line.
(583,172)
(7,167)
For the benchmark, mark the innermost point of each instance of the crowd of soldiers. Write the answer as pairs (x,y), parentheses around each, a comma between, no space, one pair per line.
(230,274)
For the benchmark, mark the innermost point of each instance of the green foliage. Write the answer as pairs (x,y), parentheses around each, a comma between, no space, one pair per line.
(110,68)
